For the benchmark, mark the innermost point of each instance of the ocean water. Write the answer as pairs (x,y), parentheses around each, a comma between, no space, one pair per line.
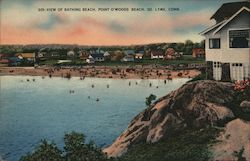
(45,109)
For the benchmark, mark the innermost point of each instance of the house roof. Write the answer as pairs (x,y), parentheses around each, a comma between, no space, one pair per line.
(231,18)
(129,56)
(157,52)
(212,27)
(97,55)
(217,27)
(228,9)
(26,55)
(128,52)
(4,61)
(100,50)
(5,55)
(139,54)
(170,49)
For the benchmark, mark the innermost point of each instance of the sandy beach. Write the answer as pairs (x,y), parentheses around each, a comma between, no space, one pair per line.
(118,72)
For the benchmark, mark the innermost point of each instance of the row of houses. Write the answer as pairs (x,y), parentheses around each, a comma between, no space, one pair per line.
(92,56)
(128,55)
(131,55)
(17,59)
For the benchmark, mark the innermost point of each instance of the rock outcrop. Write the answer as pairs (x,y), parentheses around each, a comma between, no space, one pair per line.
(195,104)
(235,137)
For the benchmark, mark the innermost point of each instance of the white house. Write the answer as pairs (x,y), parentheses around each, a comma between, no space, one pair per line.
(228,44)
(138,56)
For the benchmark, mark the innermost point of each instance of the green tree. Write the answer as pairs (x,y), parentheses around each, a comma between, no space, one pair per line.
(180,47)
(44,152)
(202,44)
(188,47)
(149,99)
(75,149)
(196,45)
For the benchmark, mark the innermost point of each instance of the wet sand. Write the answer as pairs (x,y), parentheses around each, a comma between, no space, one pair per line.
(120,72)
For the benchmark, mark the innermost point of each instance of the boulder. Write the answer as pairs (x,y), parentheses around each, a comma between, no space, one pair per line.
(234,137)
(195,104)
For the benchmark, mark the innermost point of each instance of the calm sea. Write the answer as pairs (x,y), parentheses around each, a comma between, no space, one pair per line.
(46,109)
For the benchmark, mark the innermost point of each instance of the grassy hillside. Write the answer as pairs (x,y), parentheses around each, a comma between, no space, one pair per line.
(188,145)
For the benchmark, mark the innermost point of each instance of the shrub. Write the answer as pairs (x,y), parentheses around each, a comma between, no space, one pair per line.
(44,152)
(198,77)
(75,149)
(149,99)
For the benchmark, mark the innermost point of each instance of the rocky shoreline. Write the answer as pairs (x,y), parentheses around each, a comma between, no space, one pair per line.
(195,105)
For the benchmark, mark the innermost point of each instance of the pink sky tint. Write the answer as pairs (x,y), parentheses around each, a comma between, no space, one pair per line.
(100,29)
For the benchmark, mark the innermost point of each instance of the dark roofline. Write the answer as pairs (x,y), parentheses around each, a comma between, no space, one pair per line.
(231,18)
(245,3)
(99,55)
(217,25)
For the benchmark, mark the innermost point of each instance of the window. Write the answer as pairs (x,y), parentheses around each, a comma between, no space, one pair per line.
(217,64)
(214,43)
(237,64)
(239,39)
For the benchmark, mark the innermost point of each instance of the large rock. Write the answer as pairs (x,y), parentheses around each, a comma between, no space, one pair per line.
(195,104)
(235,137)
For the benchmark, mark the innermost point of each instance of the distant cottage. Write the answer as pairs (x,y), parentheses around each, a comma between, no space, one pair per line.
(27,56)
(139,55)
(4,61)
(157,54)
(228,44)
(83,55)
(97,57)
(172,54)
(198,53)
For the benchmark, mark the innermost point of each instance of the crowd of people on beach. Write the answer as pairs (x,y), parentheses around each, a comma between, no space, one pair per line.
(122,73)
(118,72)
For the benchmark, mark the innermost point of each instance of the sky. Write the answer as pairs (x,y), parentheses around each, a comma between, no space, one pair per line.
(24,21)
